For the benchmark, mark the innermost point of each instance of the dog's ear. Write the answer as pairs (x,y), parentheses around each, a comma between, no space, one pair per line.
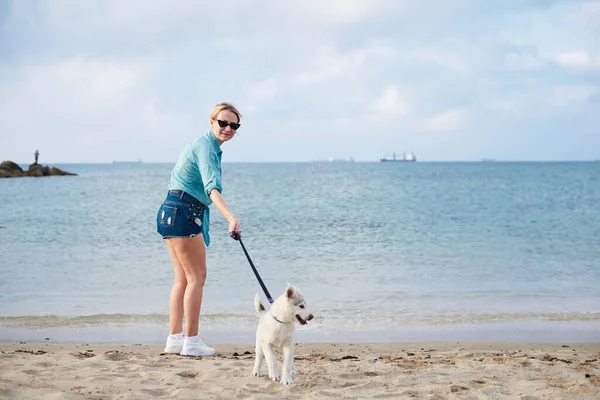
(290,292)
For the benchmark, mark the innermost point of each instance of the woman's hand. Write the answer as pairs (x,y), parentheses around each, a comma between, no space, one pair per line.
(234,225)
(234,222)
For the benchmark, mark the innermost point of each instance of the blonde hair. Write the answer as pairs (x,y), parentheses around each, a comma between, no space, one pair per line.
(225,107)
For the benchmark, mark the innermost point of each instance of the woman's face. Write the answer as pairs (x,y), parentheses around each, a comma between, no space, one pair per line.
(224,133)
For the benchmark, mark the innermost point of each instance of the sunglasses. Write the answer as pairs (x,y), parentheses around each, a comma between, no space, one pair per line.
(233,125)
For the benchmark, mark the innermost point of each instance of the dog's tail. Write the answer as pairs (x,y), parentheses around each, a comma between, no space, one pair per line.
(260,309)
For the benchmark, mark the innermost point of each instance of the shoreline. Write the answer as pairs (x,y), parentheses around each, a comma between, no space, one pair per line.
(447,369)
(231,333)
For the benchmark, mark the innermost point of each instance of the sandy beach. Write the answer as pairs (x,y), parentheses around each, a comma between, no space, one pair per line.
(431,370)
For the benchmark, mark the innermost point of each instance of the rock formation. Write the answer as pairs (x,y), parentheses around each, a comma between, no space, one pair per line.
(9,169)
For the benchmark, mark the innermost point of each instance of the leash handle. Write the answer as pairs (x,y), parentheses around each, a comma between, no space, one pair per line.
(238,237)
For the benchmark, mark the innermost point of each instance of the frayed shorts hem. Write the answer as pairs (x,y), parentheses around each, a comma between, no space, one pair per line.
(187,236)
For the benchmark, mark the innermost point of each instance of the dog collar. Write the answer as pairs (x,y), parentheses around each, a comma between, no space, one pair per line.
(275,318)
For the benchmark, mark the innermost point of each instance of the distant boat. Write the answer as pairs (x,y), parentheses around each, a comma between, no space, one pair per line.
(127,162)
(406,157)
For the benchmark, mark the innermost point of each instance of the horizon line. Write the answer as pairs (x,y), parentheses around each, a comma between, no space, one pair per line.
(483,161)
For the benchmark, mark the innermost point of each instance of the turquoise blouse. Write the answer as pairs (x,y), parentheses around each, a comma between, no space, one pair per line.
(197,172)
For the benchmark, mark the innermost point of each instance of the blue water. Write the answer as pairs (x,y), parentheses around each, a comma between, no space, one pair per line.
(381,251)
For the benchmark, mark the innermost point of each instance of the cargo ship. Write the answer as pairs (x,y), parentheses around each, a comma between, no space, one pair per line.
(406,157)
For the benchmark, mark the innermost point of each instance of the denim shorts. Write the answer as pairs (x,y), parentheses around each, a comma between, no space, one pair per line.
(180,215)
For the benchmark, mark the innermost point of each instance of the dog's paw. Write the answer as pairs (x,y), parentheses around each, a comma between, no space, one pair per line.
(274,377)
(255,373)
(287,381)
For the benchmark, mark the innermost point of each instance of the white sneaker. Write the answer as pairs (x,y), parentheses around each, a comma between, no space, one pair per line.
(196,349)
(174,346)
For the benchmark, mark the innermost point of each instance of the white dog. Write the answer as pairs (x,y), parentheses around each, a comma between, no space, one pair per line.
(276,329)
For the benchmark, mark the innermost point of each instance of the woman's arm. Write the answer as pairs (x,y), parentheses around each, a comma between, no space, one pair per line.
(219,202)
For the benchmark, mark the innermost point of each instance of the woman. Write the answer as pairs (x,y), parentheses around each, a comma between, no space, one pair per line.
(183,220)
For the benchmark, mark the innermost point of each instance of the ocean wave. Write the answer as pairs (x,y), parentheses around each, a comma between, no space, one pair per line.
(329,318)
(48,321)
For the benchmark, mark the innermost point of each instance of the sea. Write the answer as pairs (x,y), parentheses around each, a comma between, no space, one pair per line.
(382,252)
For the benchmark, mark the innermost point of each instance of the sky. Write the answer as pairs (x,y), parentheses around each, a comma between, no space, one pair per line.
(450,80)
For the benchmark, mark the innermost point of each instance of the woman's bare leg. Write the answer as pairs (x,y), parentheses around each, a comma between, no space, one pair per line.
(177,293)
(191,254)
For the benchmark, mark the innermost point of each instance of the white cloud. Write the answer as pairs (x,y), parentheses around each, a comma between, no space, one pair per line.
(591,9)
(328,62)
(331,64)
(74,87)
(567,95)
(448,59)
(449,120)
(115,19)
(327,69)
(588,11)
(90,105)
(343,11)
(260,92)
(99,78)
(390,103)
(579,59)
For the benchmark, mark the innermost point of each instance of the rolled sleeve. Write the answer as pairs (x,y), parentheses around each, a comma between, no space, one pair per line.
(210,170)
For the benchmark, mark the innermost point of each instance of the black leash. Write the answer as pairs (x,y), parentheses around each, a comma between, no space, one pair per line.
(238,237)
